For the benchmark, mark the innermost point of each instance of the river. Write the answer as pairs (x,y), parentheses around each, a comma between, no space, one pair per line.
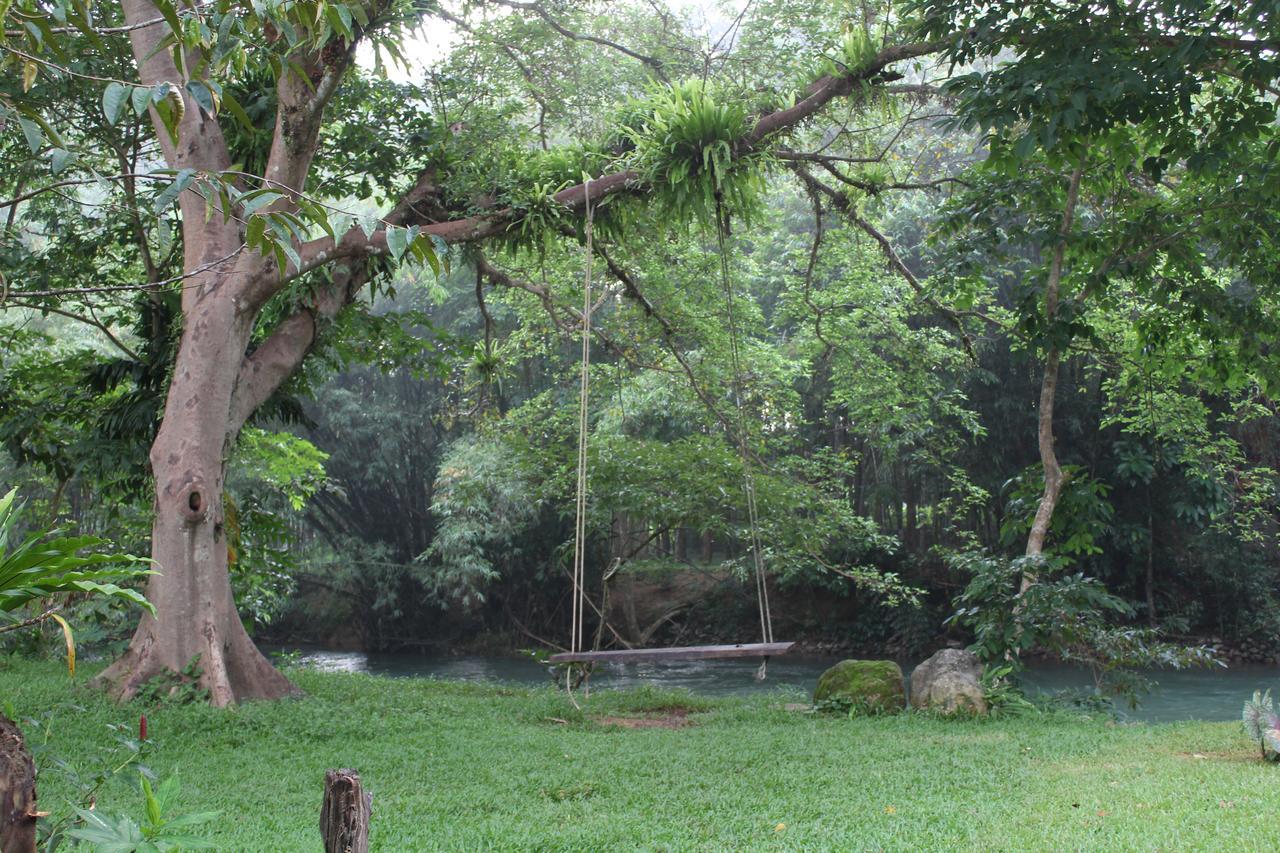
(1215,694)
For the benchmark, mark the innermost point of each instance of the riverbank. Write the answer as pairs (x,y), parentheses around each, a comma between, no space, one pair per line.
(465,766)
(1214,694)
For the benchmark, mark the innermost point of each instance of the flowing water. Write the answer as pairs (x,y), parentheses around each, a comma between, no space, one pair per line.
(1215,694)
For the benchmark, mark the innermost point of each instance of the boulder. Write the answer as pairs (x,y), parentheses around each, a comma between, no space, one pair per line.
(873,686)
(949,681)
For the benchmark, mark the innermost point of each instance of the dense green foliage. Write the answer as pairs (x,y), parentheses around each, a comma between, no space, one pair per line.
(859,310)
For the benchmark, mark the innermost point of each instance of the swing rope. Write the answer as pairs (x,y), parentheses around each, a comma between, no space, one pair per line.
(749,488)
(580,520)
(748,478)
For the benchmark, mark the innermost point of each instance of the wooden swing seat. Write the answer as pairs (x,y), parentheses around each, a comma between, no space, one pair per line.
(675,653)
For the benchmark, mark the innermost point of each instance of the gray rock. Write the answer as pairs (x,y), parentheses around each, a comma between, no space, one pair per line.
(949,681)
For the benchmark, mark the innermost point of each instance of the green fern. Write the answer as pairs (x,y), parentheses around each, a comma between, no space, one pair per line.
(687,148)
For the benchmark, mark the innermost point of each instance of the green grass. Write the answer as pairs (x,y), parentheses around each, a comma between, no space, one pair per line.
(456,766)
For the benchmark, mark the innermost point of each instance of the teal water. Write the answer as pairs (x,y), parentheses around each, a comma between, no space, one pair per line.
(1215,694)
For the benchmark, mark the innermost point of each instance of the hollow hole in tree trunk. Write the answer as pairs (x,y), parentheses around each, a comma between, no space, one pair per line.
(194,501)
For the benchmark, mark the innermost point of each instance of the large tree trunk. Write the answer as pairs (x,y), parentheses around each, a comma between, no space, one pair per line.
(216,385)
(196,616)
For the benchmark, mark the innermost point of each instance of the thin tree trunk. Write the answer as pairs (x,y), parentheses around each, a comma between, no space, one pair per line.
(911,530)
(1151,559)
(1053,478)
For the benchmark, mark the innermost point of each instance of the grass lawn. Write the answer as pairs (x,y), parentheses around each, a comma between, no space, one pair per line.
(467,767)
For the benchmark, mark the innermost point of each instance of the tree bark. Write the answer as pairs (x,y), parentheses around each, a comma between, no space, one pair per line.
(17,791)
(344,817)
(1053,478)
(215,385)
(196,616)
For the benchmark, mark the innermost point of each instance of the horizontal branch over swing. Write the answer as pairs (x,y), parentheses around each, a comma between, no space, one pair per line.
(740,650)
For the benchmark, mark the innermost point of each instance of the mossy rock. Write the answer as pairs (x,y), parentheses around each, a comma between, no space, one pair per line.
(868,686)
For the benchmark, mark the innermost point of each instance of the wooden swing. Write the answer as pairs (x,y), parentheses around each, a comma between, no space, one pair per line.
(767,647)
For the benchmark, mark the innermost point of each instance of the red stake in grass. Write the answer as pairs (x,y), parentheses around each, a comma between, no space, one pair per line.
(142,727)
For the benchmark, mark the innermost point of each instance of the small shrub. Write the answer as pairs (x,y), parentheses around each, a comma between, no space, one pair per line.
(1262,725)
(87,774)
(1004,697)
(157,831)
(175,688)
(1064,614)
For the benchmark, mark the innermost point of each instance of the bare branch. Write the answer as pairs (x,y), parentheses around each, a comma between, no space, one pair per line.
(80,182)
(653,64)
(841,202)
(80,318)
(126,288)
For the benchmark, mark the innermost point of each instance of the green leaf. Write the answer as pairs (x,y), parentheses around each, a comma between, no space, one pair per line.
(153,805)
(170,106)
(59,158)
(257,199)
(424,251)
(254,232)
(170,15)
(206,99)
(397,241)
(171,192)
(35,139)
(237,111)
(114,97)
(140,96)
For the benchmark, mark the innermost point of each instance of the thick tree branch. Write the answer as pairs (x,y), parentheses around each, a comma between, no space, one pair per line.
(267,367)
(821,92)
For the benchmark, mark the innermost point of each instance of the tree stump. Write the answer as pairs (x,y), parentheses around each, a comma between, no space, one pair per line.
(17,791)
(344,817)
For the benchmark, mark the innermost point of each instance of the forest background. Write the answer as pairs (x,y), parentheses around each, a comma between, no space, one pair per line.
(1009,298)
